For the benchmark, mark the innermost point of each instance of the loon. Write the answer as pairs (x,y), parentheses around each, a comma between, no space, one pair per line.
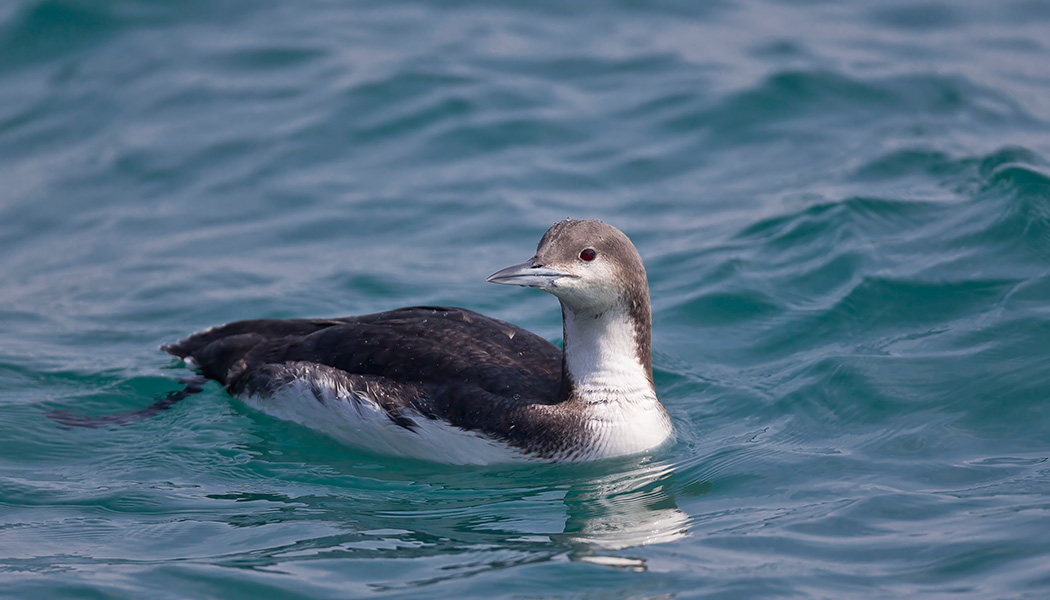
(451,385)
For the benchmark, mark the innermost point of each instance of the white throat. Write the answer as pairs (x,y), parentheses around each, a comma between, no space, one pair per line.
(601,355)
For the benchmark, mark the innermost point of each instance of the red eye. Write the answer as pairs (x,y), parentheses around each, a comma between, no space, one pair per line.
(588,255)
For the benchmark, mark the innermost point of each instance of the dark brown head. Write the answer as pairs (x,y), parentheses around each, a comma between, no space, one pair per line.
(590,266)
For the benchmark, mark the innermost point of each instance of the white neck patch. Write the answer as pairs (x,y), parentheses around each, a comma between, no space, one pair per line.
(602,357)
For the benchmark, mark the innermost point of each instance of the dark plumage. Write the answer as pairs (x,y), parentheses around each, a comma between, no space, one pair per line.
(475,372)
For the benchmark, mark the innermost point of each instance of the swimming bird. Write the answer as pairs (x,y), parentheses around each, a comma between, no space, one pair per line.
(454,386)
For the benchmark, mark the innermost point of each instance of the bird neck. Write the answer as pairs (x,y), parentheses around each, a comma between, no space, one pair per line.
(608,355)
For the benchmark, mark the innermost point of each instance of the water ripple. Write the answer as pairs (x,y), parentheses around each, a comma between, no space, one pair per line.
(844,211)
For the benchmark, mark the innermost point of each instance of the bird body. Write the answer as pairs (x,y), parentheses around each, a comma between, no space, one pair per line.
(454,386)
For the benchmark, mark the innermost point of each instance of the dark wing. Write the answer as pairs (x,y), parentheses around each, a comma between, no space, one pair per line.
(434,347)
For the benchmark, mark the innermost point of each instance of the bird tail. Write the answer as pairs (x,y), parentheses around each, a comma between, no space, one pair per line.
(66,418)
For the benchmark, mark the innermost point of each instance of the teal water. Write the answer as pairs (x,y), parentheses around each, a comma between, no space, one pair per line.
(844,209)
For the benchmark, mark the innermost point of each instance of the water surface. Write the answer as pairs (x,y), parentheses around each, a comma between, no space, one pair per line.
(844,210)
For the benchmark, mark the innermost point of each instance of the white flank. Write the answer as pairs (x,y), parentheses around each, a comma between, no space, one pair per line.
(356,420)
